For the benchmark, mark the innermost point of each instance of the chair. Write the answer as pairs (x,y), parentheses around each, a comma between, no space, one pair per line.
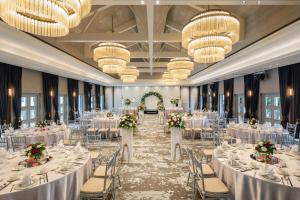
(102,126)
(113,127)
(4,143)
(197,127)
(188,127)
(100,187)
(292,128)
(208,187)
(18,142)
(207,170)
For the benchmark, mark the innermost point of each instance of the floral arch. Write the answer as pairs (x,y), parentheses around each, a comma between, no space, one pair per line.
(159,96)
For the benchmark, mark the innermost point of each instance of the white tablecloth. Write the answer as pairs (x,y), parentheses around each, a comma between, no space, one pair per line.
(251,135)
(171,110)
(196,122)
(127,140)
(176,138)
(208,114)
(128,110)
(59,187)
(250,185)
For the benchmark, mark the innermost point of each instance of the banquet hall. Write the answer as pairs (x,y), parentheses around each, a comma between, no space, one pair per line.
(149,99)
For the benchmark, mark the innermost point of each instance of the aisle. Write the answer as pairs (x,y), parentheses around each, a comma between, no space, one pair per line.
(152,175)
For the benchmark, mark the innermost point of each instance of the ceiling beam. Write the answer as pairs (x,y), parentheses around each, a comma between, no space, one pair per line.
(150,22)
(146,64)
(197,2)
(174,26)
(97,11)
(116,37)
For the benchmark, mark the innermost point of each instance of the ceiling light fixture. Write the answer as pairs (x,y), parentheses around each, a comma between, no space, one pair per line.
(111,57)
(180,67)
(129,74)
(210,35)
(51,18)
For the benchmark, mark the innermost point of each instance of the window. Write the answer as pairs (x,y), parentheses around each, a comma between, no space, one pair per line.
(92,102)
(63,108)
(221,105)
(271,108)
(80,105)
(240,107)
(29,109)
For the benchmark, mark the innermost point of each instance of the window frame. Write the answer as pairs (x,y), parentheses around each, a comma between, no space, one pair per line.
(28,108)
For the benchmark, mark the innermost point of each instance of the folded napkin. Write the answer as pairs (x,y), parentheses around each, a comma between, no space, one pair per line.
(60,144)
(295,148)
(266,170)
(26,179)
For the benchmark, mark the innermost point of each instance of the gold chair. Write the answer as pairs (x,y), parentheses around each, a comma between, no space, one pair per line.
(208,187)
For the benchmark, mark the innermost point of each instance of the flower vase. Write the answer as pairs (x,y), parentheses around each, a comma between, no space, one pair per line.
(127,143)
(176,141)
(264,157)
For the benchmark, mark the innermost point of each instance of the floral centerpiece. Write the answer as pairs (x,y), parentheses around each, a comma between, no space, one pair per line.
(34,152)
(109,114)
(264,151)
(160,106)
(127,102)
(204,109)
(174,101)
(253,122)
(128,121)
(176,121)
(41,125)
(142,107)
(190,114)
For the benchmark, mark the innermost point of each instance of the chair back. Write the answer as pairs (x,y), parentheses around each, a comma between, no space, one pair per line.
(92,138)
(291,129)
(4,143)
(188,123)
(18,142)
(199,171)
(191,158)
(109,171)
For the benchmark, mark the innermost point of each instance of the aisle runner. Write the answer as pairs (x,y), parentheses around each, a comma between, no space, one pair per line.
(152,175)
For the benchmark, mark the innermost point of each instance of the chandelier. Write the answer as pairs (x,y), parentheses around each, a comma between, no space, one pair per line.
(51,18)
(129,74)
(168,78)
(111,57)
(180,68)
(210,35)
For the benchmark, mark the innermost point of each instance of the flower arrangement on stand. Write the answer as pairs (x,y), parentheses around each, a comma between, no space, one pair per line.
(174,101)
(204,109)
(160,106)
(127,102)
(264,151)
(109,115)
(34,152)
(142,107)
(176,121)
(190,114)
(128,121)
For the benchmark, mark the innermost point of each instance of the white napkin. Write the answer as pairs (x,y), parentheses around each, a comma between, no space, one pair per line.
(60,144)
(294,148)
(266,169)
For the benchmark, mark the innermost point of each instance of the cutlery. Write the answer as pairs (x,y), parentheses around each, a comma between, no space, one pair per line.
(12,187)
(282,180)
(287,178)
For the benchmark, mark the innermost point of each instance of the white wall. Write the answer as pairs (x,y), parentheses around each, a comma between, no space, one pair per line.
(108,98)
(31,81)
(185,98)
(238,85)
(194,98)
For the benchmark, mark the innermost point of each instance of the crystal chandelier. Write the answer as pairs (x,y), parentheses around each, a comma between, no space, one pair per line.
(168,78)
(51,18)
(129,74)
(111,57)
(210,35)
(180,68)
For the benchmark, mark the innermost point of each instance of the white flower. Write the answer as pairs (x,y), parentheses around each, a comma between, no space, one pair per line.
(264,149)
(260,143)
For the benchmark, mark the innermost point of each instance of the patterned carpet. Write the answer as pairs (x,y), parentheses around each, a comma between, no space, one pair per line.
(152,175)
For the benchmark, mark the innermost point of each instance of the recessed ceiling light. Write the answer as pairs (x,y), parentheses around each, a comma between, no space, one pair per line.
(157,1)
(258,2)
(142,2)
(243,2)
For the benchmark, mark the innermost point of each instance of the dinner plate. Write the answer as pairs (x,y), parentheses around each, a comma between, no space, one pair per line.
(12,179)
(19,186)
(272,178)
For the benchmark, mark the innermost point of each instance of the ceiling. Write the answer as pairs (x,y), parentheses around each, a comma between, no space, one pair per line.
(151,30)
(130,24)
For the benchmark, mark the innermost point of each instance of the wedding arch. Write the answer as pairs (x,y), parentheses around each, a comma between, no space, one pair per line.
(159,96)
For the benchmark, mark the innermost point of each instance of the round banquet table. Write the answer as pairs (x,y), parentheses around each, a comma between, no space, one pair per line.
(196,122)
(60,186)
(171,110)
(249,185)
(208,114)
(251,135)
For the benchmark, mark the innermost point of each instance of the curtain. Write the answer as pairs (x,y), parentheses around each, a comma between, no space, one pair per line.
(103,94)
(87,96)
(73,93)
(204,96)
(284,77)
(228,97)
(215,95)
(97,96)
(16,85)
(4,92)
(295,84)
(198,98)
(50,95)
(251,92)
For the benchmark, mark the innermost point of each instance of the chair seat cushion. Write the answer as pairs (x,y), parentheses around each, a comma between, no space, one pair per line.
(95,185)
(213,185)
(197,129)
(91,130)
(208,129)
(94,155)
(207,170)
(100,171)
(103,129)
(114,129)
(188,129)
(208,152)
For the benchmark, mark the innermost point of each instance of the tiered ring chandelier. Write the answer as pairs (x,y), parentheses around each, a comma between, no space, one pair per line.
(180,68)
(129,74)
(210,35)
(51,18)
(111,57)
(168,78)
